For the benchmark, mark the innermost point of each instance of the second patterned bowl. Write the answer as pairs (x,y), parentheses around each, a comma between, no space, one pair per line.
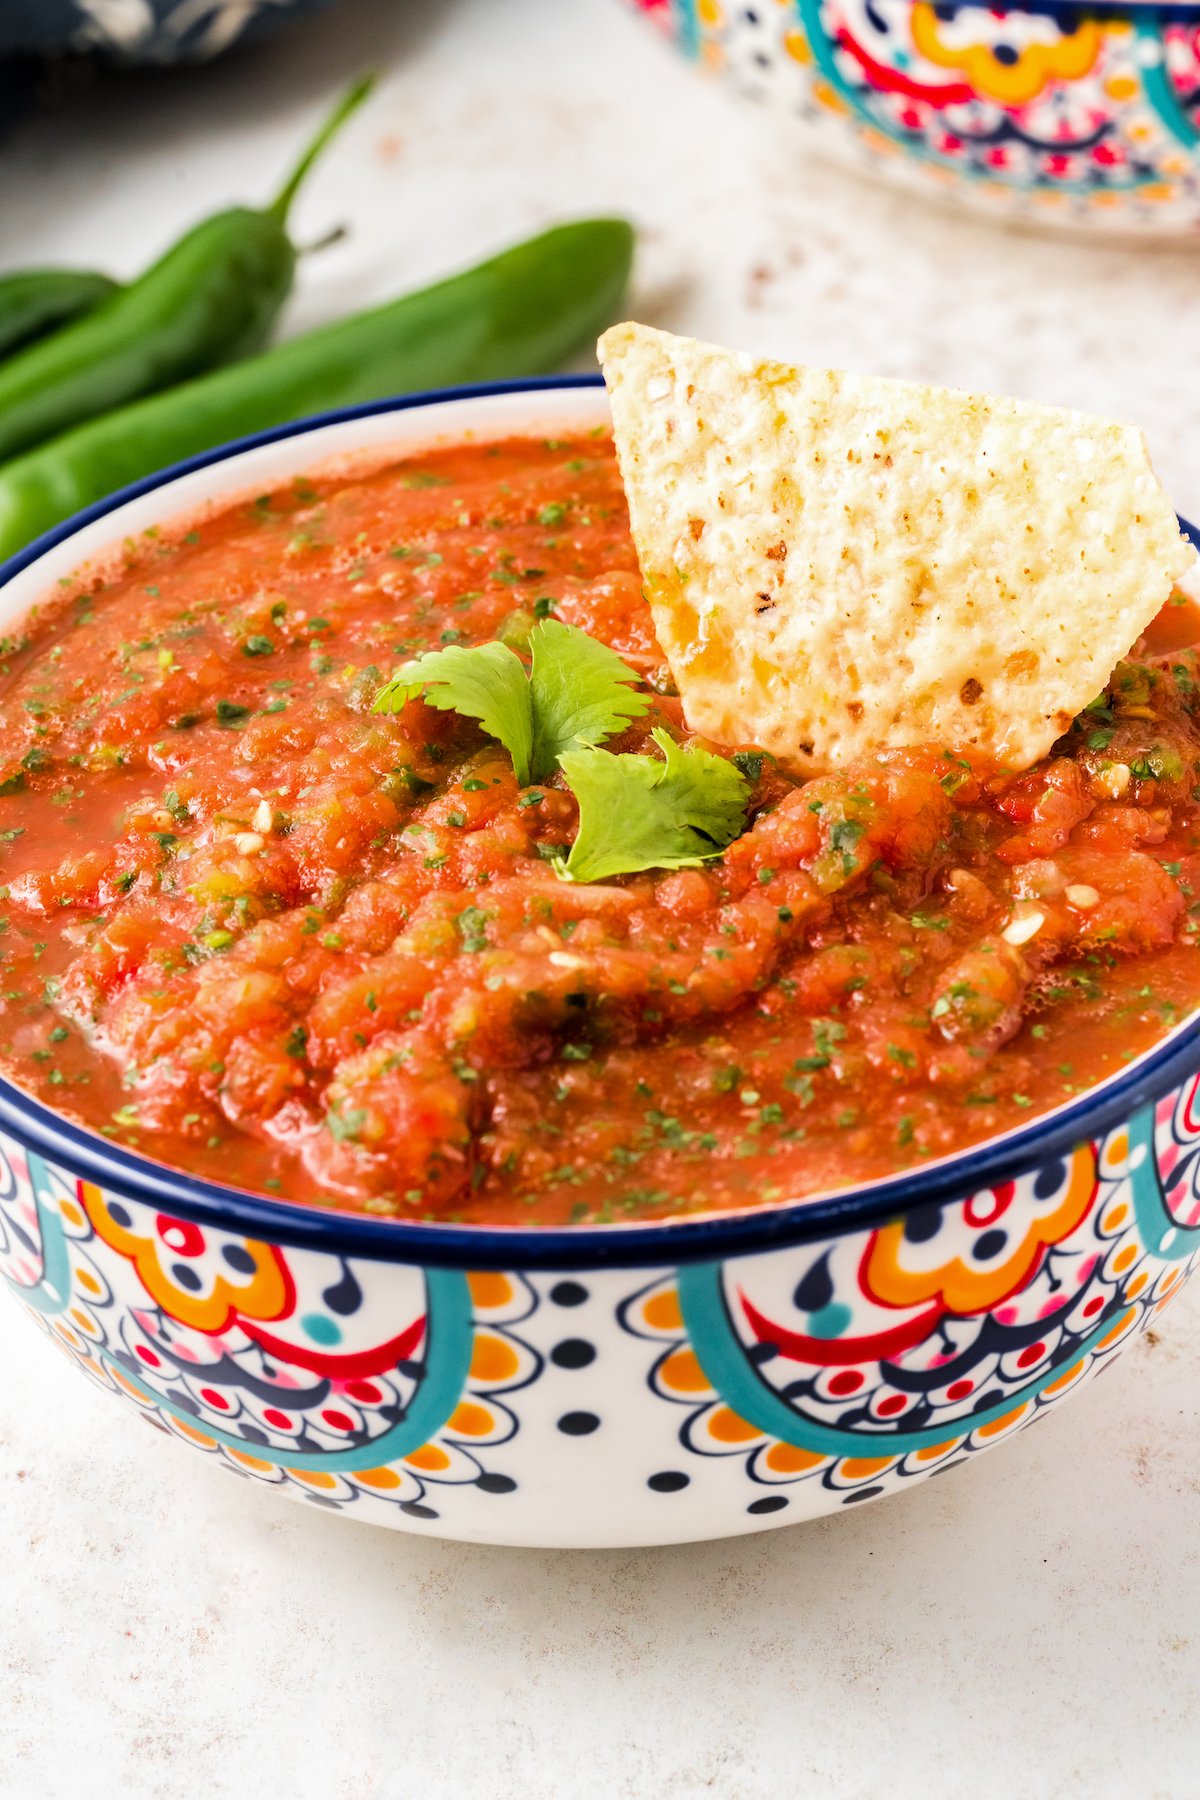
(1043,113)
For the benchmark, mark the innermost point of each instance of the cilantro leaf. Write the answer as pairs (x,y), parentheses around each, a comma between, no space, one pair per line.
(576,693)
(487,683)
(580,693)
(636,812)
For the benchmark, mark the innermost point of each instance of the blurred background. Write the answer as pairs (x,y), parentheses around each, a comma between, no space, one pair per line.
(492,119)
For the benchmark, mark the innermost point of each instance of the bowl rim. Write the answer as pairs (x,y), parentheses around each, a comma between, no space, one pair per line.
(1161,12)
(1069,12)
(647,1243)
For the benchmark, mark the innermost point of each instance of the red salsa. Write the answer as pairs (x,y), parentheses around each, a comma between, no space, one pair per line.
(255,931)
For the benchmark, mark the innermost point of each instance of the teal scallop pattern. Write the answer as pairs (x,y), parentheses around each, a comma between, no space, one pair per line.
(724,1359)
(447,1357)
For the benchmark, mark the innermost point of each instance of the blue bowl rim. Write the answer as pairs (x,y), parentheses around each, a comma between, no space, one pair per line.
(1069,12)
(648,1244)
(1163,12)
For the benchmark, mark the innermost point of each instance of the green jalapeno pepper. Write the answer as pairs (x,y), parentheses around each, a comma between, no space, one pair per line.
(36,301)
(211,299)
(522,312)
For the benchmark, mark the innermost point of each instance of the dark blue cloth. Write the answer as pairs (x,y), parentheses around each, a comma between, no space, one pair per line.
(139,31)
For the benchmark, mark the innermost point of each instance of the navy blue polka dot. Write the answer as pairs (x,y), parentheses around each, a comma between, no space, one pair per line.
(668,1481)
(496,1484)
(239,1259)
(1047,1181)
(573,1353)
(990,1244)
(186,1278)
(578,1424)
(118,1215)
(568,1293)
(861,1494)
(415,1510)
(768,1504)
(922,1223)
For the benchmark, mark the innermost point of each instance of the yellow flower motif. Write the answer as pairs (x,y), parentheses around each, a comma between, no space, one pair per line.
(251,1282)
(1015,82)
(896,1276)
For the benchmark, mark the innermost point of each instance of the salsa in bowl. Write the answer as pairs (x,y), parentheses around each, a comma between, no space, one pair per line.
(394,975)
(264,933)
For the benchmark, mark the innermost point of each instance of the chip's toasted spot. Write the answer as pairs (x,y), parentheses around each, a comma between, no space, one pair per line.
(982,563)
(1021,665)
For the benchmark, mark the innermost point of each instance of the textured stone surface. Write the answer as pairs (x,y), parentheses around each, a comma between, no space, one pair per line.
(1027,1627)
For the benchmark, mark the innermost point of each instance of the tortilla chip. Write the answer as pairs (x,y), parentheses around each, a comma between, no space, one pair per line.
(838,563)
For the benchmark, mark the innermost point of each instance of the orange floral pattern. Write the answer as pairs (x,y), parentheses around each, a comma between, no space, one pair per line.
(998,1263)
(1020,77)
(204,1283)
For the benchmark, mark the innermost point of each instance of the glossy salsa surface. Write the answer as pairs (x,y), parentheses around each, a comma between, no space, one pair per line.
(256,932)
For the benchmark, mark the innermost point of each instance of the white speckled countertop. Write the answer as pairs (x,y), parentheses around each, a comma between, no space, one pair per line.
(1031,1628)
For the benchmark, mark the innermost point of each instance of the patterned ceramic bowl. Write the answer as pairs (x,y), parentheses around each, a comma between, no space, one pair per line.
(1041,112)
(617,1385)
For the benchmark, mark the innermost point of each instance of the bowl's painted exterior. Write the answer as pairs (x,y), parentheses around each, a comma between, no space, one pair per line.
(1041,113)
(599,1406)
(602,1386)
(139,31)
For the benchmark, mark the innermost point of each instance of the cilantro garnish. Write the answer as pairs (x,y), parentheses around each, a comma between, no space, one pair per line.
(750,762)
(486,683)
(580,693)
(344,1124)
(472,926)
(636,812)
(576,693)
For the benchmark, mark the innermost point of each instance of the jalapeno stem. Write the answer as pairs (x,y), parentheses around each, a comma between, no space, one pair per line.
(349,103)
(335,235)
